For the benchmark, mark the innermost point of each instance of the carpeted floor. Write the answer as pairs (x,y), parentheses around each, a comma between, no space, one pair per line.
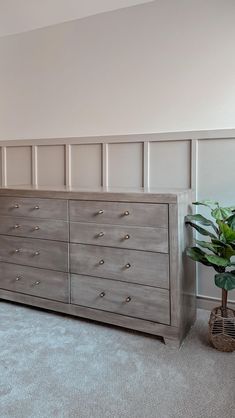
(57,366)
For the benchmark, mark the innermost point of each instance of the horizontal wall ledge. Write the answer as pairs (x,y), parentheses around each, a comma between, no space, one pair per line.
(158,136)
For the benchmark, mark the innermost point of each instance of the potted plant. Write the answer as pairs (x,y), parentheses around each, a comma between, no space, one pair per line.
(217,250)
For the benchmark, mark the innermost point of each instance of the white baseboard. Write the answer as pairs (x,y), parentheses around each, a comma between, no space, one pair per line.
(204,302)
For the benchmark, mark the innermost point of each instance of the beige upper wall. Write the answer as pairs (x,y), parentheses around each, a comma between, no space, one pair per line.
(162,66)
(23,15)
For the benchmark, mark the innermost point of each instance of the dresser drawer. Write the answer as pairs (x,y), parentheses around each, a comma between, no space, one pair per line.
(139,238)
(126,299)
(131,266)
(33,207)
(34,252)
(119,213)
(34,228)
(37,282)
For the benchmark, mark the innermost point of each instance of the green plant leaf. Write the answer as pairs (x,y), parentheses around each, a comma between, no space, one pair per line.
(228,252)
(231,221)
(197,254)
(202,220)
(223,249)
(227,232)
(212,247)
(219,243)
(207,203)
(217,260)
(225,280)
(201,230)
(221,213)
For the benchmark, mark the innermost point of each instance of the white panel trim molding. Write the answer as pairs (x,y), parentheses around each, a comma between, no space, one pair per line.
(105,143)
(146,164)
(159,136)
(4,166)
(105,167)
(68,173)
(34,165)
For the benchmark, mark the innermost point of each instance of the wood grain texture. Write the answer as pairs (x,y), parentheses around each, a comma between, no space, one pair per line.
(37,282)
(162,196)
(182,269)
(149,327)
(34,252)
(175,277)
(146,251)
(131,266)
(149,239)
(188,268)
(116,213)
(34,228)
(145,302)
(33,207)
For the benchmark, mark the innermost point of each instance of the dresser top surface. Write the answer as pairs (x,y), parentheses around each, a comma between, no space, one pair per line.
(126,194)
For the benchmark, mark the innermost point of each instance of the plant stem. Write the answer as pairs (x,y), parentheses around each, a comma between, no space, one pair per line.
(224,302)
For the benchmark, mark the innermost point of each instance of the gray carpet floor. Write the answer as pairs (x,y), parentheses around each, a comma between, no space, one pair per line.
(57,366)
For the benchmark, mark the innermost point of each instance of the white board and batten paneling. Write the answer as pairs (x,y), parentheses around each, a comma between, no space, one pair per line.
(203,161)
(86,165)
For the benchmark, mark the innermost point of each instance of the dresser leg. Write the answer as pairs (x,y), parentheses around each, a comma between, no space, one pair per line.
(172,343)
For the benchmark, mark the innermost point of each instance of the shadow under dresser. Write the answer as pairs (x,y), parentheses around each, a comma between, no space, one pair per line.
(111,256)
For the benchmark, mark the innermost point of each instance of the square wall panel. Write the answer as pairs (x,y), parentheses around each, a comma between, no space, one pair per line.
(86,165)
(51,165)
(170,164)
(19,166)
(125,165)
(216,170)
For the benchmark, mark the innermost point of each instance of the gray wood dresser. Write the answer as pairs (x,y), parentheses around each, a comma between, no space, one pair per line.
(111,256)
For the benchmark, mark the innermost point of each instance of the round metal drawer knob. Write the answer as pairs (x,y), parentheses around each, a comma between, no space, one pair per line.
(102,294)
(17,226)
(101,262)
(16,206)
(17,251)
(36,228)
(128,265)
(101,234)
(128,299)
(36,207)
(37,253)
(100,212)
(18,278)
(37,282)
(126,213)
(127,236)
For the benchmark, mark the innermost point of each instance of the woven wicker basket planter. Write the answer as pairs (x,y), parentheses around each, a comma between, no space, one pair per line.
(222,330)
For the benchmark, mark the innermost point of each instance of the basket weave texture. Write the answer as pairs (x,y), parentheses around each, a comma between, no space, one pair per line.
(222,329)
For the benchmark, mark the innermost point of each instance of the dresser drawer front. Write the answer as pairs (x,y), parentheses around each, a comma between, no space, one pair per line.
(119,213)
(139,238)
(131,266)
(34,252)
(126,299)
(34,228)
(36,282)
(34,207)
